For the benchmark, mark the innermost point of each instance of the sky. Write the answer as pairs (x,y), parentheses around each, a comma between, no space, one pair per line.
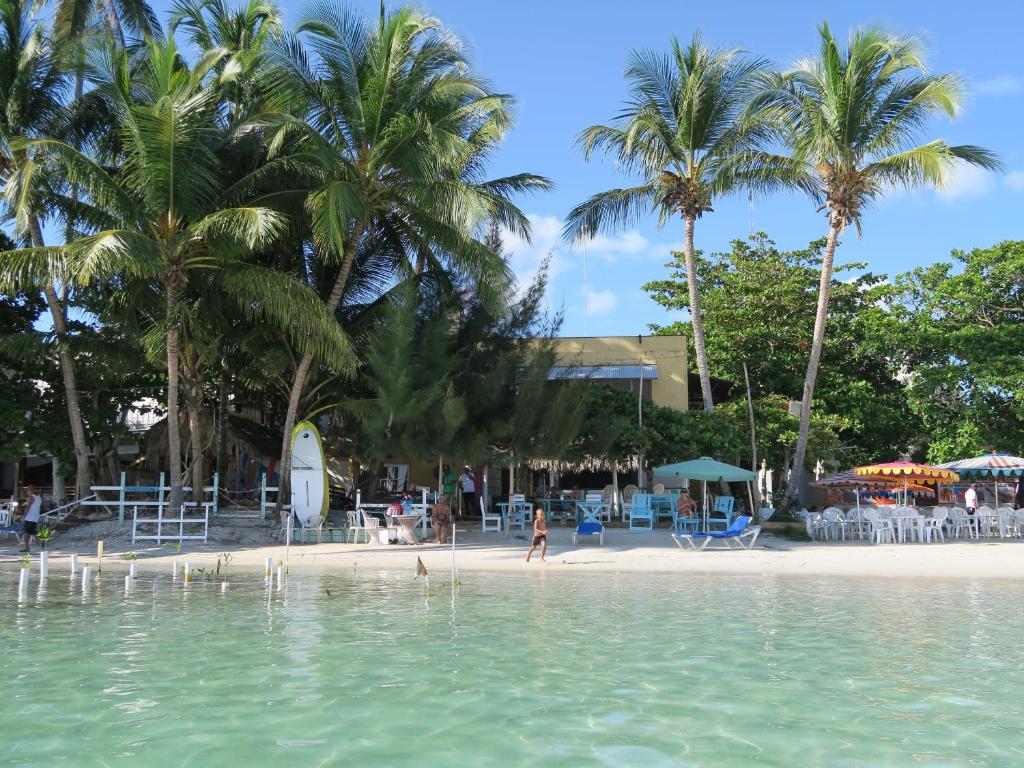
(563,61)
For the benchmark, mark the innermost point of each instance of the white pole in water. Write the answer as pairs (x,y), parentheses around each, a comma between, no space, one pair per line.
(23,576)
(127,584)
(85,578)
(131,571)
(74,563)
(267,568)
(187,571)
(280,576)
(223,587)
(288,536)
(453,553)
(174,569)
(44,564)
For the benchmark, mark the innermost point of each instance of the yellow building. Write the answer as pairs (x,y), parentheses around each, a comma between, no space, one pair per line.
(655,363)
(658,364)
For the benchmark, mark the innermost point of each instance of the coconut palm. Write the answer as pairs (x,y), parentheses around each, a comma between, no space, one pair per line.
(853,118)
(32,84)
(687,131)
(71,18)
(394,135)
(242,34)
(158,212)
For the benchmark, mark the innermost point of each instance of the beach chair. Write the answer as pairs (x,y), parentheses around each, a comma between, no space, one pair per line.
(724,506)
(491,521)
(641,516)
(933,525)
(879,530)
(519,512)
(312,529)
(589,528)
(354,529)
(739,533)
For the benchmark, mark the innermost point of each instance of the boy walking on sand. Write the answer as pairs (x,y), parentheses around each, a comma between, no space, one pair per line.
(540,534)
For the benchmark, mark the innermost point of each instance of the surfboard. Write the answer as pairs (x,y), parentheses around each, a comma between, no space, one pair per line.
(308,473)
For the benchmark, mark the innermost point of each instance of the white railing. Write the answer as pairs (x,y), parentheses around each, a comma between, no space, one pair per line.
(160,521)
(58,514)
(125,493)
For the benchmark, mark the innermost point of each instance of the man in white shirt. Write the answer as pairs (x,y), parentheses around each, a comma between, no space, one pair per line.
(971,500)
(468,483)
(33,507)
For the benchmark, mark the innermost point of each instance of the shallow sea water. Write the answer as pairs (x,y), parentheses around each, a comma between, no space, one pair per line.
(532,670)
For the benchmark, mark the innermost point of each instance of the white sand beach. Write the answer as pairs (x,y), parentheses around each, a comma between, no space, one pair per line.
(622,552)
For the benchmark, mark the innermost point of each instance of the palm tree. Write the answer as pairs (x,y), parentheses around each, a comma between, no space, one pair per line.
(852,119)
(159,212)
(72,18)
(32,84)
(394,134)
(687,131)
(242,35)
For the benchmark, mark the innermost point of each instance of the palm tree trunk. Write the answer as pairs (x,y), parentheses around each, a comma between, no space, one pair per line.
(113,22)
(824,288)
(299,383)
(222,424)
(173,431)
(83,473)
(696,321)
(195,435)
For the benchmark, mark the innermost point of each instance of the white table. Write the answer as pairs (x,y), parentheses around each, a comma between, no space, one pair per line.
(407,528)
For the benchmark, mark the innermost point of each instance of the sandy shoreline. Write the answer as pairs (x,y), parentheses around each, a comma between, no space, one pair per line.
(623,552)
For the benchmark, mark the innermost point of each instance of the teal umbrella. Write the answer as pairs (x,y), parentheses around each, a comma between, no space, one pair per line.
(706,468)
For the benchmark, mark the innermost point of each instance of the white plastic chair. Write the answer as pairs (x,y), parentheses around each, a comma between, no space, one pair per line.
(658,489)
(354,529)
(372,527)
(879,530)
(833,523)
(491,522)
(933,525)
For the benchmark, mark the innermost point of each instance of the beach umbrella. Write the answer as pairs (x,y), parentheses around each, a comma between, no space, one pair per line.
(990,465)
(705,468)
(850,480)
(909,472)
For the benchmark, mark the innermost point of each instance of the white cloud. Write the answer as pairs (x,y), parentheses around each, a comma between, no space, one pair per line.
(601,302)
(966,181)
(1000,85)
(1015,180)
(526,257)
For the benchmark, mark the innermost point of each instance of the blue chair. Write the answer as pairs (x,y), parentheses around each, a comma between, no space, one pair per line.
(641,516)
(589,528)
(738,531)
(724,507)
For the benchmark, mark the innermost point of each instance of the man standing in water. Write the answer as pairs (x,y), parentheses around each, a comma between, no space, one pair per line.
(540,534)
(33,505)
(468,483)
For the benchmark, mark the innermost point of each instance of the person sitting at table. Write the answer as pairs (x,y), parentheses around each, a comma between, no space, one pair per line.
(441,519)
(685,506)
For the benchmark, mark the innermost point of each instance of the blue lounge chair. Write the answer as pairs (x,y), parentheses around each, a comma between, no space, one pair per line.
(641,516)
(589,528)
(737,532)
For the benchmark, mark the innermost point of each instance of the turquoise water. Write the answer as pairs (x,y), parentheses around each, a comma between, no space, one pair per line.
(529,670)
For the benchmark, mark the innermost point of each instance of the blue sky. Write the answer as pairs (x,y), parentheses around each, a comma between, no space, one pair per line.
(563,60)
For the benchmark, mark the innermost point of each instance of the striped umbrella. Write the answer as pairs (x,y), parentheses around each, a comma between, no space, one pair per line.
(909,472)
(990,465)
(850,480)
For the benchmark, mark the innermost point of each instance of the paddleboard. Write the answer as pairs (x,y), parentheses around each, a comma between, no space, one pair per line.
(309,473)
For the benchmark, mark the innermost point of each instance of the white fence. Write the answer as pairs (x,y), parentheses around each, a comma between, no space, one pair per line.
(177,525)
(132,496)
